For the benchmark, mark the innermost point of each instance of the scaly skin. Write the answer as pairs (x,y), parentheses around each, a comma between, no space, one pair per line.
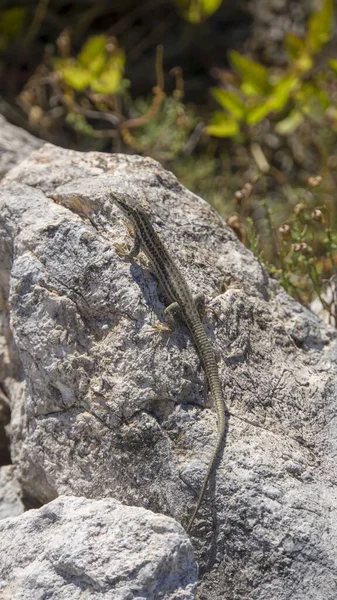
(177,292)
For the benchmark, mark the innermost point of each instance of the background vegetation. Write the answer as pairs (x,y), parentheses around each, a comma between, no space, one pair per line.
(239,101)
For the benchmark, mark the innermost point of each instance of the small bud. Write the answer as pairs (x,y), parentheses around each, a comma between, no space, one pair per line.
(111,45)
(63,43)
(35,115)
(314,181)
(28,97)
(284,230)
(304,248)
(234,223)
(239,195)
(247,189)
(317,215)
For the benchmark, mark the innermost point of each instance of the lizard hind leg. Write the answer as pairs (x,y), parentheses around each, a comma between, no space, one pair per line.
(200,304)
(136,246)
(171,312)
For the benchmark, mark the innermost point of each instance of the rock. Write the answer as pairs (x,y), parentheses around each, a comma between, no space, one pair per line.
(98,549)
(10,493)
(112,409)
(328,295)
(15,145)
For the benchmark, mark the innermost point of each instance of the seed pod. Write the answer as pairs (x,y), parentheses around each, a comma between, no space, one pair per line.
(35,115)
(234,223)
(247,188)
(284,230)
(304,248)
(317,215)
(315,181)
(239,196)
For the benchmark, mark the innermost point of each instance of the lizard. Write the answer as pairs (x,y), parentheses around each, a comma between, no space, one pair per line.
(176,290)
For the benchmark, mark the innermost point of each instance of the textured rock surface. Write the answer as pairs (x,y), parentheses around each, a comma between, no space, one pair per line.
(75,548)
(10,493)
(15,145)
(113,410)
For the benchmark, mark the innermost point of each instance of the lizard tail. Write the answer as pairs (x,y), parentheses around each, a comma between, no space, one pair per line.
(211,466)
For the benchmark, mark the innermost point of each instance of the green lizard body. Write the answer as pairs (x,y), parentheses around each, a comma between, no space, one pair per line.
(177,292)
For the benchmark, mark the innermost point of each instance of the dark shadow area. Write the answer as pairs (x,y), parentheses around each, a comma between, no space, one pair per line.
(5,457)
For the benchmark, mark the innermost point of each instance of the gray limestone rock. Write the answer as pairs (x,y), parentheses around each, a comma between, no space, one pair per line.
(74,548)
(15,145)
(105,406)
(10,493)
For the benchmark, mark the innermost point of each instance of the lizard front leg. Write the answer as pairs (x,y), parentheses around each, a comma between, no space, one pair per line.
(137,242)
(170,312)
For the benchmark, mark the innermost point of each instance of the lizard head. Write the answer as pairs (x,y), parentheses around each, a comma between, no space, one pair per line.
(124,206)
(127,207)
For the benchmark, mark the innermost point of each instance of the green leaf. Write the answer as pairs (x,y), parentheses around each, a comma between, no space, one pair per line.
(77,77)
(333,65)
(97,65)
(210,6)
(288,125)
(320,27)
(231,102)
(298,53)
(294,45)
(255,77)
(282,91)
(257,113)
(276,102)
(110,80)
(304,63)
(94,68)
(93,49)
(223,126)
(196,11)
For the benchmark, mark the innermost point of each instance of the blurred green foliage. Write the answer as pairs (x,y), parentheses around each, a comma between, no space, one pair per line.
(256,160)
(175,122)
(303,255)
(287,96)
(11,25)
(197,10)
(99,66)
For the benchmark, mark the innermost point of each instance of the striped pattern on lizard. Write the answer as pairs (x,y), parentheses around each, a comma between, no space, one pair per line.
(177,292)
